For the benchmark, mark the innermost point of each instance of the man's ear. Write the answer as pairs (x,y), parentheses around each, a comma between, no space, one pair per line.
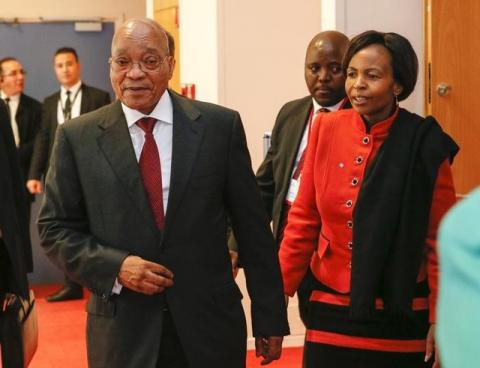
(171,64)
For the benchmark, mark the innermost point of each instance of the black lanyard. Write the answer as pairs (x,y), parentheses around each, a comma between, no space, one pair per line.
(67,115)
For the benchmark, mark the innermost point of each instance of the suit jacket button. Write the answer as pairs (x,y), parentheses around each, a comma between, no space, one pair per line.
(350,245)
(366,140)
(349,203)
(350,224)
(358,160)
(354,182)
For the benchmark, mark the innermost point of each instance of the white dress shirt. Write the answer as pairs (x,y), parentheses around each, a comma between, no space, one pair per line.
(13,105)
(75,99)
(163,135)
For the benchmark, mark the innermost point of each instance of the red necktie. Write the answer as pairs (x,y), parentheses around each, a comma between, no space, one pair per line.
(151,170)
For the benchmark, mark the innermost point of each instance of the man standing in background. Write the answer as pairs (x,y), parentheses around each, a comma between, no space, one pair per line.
(279,175)
(15,248)
(73,99)
(24,114)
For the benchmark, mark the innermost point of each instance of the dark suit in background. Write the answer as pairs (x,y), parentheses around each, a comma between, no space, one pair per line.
(275,172)
(15,247)
(28,117)
(92,99)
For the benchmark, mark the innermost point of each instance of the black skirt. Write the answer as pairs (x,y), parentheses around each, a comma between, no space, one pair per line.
(335,340)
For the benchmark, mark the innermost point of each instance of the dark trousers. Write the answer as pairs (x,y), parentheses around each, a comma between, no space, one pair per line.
(171,353)
(303,292)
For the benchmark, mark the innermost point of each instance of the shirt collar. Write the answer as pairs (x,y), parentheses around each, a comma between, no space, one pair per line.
(15,98)
(317,106)
(73,89)
(163,111)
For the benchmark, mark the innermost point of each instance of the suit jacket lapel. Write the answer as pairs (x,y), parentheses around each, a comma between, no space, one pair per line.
(21,118)
(85,102)
(51,105)
(299,118)
(116,145)
(187,136)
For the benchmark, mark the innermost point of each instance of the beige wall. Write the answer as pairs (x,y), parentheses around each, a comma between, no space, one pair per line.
(249,54)
(199,58)
(262,48)
(113,10)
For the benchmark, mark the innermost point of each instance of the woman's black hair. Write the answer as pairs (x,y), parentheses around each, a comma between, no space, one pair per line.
(404,58)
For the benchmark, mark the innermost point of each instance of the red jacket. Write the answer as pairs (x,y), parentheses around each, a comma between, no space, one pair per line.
(319,229)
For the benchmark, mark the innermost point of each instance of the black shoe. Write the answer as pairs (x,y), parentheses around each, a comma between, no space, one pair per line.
(66,293)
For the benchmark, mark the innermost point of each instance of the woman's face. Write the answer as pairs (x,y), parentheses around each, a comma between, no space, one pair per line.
(370,85)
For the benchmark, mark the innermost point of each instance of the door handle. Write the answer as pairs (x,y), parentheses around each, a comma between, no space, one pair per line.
(443,89)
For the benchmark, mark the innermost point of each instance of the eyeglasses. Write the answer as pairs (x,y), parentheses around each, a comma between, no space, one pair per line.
(15,73)
(122,64)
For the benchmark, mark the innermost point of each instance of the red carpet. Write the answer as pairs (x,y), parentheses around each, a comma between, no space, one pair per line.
(62,336)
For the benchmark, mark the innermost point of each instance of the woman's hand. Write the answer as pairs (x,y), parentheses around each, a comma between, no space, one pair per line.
(431,348)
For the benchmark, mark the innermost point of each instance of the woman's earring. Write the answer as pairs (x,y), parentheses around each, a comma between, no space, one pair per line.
(396,99)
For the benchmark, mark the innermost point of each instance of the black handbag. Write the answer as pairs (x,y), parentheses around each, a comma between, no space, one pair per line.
(19,331)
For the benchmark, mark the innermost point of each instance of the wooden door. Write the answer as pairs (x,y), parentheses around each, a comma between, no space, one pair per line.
(453,78)
(166,13)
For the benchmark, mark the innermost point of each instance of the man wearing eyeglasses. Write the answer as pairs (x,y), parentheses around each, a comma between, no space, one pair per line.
(73,99)
(136,204)
(25,113)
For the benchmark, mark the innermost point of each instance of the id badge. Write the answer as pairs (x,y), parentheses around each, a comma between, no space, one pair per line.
(293,190)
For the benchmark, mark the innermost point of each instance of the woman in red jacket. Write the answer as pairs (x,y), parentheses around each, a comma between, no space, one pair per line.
(375,184)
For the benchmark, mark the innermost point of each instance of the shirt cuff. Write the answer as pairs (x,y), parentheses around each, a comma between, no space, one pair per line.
(117,287)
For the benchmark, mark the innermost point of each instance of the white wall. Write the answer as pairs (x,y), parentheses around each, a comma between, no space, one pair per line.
(199,47)
(113,10)
(247,55)
(263,51)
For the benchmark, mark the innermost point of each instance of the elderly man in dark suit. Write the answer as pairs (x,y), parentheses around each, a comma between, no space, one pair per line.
(279,174)
(136,204)
(15,248)
(24,112)
(74,98)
